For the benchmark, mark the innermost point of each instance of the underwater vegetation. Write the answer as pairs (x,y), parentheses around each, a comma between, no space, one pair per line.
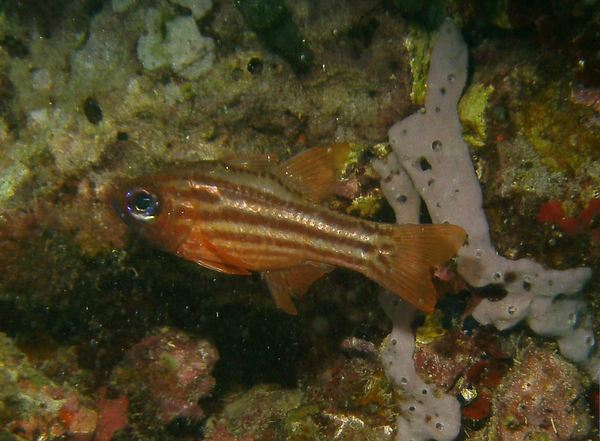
(488,119)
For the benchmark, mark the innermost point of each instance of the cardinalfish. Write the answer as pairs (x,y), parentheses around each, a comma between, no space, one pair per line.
(239,219)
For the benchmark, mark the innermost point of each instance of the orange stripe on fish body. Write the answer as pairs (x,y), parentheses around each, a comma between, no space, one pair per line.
(237,220)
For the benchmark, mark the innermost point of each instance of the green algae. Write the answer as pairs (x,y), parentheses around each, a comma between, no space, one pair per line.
(417,44)
(26,394)
(11,178)
(431,329)
(381,150)
(256,412)
(552,125)
(7,29)
(366,206)
(500,16)
(473,108)
(300,423)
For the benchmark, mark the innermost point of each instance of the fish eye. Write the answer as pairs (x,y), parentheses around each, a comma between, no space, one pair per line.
(141,204)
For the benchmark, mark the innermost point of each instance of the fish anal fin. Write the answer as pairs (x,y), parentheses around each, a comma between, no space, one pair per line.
(197,248)
(315,171)
(297,280)
(407,255)
(280,292)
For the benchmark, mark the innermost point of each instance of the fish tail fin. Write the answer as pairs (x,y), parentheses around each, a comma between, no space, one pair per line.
(406,255)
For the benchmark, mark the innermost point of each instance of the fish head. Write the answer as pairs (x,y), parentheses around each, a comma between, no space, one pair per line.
(146,206)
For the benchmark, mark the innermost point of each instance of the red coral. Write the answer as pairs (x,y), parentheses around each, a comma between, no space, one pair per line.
(553,211)
(478,409)
(485,373)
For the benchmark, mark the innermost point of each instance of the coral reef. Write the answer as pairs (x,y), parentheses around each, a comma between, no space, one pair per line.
(455,197)
(439,167)
(471,365)
(165,375)
(349,398)
(253,415)
(32,406)
(542,397)
(108,339)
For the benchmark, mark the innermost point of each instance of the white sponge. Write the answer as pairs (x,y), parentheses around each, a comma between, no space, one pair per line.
(425,412)
(430,149)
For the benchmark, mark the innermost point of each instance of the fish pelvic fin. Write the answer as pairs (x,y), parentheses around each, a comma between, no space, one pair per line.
(406,257)
(314,172)
(294,280)
(197,248)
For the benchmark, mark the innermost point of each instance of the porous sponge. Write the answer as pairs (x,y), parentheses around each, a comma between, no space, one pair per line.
(429,147)
(430,160)
(425,413)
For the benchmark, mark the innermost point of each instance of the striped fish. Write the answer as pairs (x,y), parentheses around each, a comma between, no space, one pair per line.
(238,219)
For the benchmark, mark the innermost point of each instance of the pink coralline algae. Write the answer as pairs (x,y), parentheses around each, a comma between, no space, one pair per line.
(166,374)
(542,397)
(459,353)
(459,361)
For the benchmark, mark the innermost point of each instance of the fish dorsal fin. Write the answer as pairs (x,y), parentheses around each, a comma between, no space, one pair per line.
(315,171)
(283,282)
(257,162)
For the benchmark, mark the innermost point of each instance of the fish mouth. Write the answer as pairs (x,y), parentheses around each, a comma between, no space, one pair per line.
(115,197)
(119,209)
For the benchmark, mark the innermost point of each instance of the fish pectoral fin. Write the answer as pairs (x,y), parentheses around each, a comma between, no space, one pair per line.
(200,250)
(315,172)
(297,279)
